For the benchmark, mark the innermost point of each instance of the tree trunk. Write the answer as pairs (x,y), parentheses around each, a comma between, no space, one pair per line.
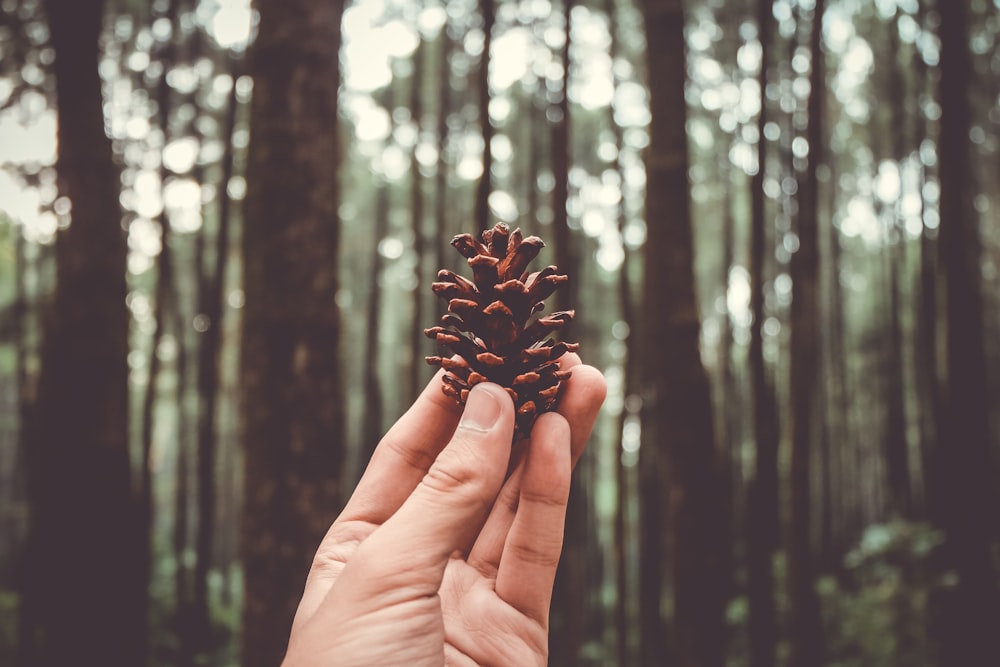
(211,296)
(292,398)
(536,153)
(927,381)
(80,474)
(418,341)
(896,445)
(571,603)
(625,485)
(181,533)
(806,632)
(488,11)
(162,309)
(968,614)
(20,532)
(681,509)
(442,256)
(839,383)
(728,406)
(762,500)
(371,421)
(561,160)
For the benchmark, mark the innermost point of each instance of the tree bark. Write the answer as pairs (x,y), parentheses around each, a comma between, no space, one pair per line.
(969,613)
(625,485)
(926,339)
(442,256)
(161,313)
(418,341)
(682,509)
(181,529)
(570,600)
(896,445)
(211,296)
(847,524)
(762,500)
(292,397)
(561,160)
(79,466)
(488,10)
(728,406)
(20,532)
(806,632)
(371,421)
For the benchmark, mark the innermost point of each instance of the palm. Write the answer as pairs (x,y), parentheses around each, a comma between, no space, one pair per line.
(481,628)
(476,625)
(427,559)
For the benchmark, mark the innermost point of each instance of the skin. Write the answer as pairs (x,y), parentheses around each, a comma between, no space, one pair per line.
(447,550)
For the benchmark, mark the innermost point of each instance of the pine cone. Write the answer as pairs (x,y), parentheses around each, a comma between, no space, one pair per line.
(487,326)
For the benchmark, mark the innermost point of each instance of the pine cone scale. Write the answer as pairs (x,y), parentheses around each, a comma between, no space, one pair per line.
(488,326)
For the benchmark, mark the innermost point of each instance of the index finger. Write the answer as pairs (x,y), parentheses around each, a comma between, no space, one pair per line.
(404,455)
(406,452)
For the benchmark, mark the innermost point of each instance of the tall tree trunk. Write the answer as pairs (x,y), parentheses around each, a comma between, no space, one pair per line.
(181,533)
(444,103)
(371,421)
(896,445)
(561,160)
(571,603)
(211,291)
(161,315)
(625,486)
(833,415)
(488,10)
(677,411)
(762,501)
(147,422)
(806,632)
(535,154)
(79,468)
(729,402)
(838,380)
(291,379)
(418,341)
(969,613)
(27,613)
(186,283)
(926,343)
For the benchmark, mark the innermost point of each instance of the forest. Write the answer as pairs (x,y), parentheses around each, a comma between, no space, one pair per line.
(219,225)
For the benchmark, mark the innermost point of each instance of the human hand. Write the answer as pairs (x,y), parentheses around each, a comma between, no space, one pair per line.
(441,557)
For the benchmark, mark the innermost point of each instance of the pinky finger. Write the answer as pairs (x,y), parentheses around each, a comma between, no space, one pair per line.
(531,552)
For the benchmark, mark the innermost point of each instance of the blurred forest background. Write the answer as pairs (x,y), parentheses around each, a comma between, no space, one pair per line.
(780,219)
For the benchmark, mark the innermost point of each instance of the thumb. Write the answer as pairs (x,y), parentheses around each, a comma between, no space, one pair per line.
(446,508)
(461,485)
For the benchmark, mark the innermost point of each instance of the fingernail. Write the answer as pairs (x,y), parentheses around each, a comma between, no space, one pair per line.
(482,409)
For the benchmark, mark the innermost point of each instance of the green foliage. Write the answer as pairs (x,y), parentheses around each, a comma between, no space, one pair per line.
(876,608)
(9,604)
(167,616)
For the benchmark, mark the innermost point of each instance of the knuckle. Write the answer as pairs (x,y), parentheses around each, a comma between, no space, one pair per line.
(327,563)
(341,541)
(457,473)
(557,497)
(543,552)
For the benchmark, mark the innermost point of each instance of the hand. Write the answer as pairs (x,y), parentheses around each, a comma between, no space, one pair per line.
(441,557)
